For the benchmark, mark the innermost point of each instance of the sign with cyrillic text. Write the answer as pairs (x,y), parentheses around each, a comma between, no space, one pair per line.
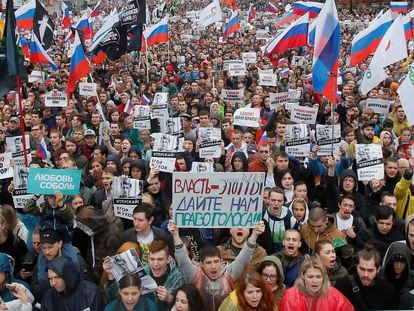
(87,89)
(247,117)
(56,98)
(232,96)
(217,200)
(49,181)
(370,161)
(378,105)
(302,114)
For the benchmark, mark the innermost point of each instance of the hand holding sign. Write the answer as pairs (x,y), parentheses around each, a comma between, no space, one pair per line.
(59,198)
(257,231)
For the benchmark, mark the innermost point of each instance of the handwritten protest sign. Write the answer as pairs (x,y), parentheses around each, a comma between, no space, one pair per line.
(6,171)
(298,139)
(249,57)
(247,117)
(217,200)
(328,138)
(232,96)
(303,114)
(20,196)
(237,69)
(48,181)
(87,89)
(127,195)
(163,164)
(226,63)
(370,161)
(378,105)
(267,79)
(56,98)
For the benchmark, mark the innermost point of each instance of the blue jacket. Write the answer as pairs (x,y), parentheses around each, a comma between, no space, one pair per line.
(6,267)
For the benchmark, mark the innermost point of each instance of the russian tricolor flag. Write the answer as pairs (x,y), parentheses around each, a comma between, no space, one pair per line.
(145,100)
(85,26)
(65,16)
(232,26)
(366,42)
(399,7)
(301,7)
(294,36)
(408,27)
(252,13)
(39,55)
(271,7)
(25,15)
(311,34)
(129,108)
(96,10)
(79,66)
(157,33)
(286,19)
(42,150)
(326,51)
(264,140)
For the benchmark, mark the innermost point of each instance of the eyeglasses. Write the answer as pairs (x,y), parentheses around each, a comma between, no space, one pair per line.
(270,277)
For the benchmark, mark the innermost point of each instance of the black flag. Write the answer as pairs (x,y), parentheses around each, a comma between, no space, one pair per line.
(43,26)
(135,41)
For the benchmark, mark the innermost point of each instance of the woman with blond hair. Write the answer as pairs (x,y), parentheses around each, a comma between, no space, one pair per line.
(251,293)
(312,291)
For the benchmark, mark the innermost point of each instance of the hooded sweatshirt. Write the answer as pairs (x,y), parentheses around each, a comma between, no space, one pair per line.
(278,226)
(77,295)
(242,156)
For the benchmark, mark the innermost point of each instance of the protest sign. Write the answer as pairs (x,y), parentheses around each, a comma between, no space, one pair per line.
(237,69)
(303,114)
(328,138)
(278,99)
(295,94)
(202,167)
(56,98)
(20,196)
(129,262)
(298,60)
(210,142)
(298,140)
(217,200)
(127,194)
(232,96)
(141,117)
(267,79)
(226,63)
(6,171)
(370,161)
(160,106)
(36,76)
(165,142)
(15,144)
(172,126)
(249,57)
(378,105)
(262,34)
(87,89)
(247,117)
(49,181)
(163,164)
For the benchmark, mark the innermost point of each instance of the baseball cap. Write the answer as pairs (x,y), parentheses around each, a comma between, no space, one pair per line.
(185,115)
(89,132)
(49,236)
(251,149)
(15,119)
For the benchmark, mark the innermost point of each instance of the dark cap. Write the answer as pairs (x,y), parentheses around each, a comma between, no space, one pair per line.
(368,123)
(388,123)
(49,236)
(251,149)
(89,132)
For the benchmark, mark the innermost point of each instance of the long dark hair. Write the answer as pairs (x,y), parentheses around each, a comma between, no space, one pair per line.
(195,301)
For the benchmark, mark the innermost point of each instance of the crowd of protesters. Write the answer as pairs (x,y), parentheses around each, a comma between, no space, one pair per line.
(327,241)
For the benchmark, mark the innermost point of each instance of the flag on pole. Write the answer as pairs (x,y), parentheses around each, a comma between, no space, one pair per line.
(408,27)
(264,139)
(145,100)
(286,19)
(271,7)
(252,13)
(42,150)
(366,42)
(232,26)
(43,26)
(96,10)
(301,7)
(210,14)
(85,25)
(25,15)
(326,51)
(391,49)
(129,108)
(39,55)
(157,33)
(79,66)
(65,16)
(399,6)
(293,36)
(406,91)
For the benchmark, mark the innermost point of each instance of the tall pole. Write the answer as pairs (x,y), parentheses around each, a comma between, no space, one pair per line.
(19,96)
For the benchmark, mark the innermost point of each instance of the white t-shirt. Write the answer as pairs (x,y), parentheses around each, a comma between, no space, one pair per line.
(344,224)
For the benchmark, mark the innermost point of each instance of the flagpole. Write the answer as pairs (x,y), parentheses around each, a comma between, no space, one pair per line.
(19,95)
(146,59)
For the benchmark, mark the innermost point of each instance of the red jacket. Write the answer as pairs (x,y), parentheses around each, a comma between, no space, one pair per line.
(295,300)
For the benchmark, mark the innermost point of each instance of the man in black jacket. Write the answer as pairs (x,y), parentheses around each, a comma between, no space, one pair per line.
(365,290)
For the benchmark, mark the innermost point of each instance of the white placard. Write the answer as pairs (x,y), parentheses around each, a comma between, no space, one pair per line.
(249,57)
(6,171)
(302,114)
(370,161)
(298,140)
(36,76)
(87,89)
(237,69)
(328,138)
(267,79)
(278,99)
(202,167)
(163,164)
(378,105)
(232,96)
(127,194)
(56,98)
(20,196)
(210,142)
(165,143)
(249,117)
